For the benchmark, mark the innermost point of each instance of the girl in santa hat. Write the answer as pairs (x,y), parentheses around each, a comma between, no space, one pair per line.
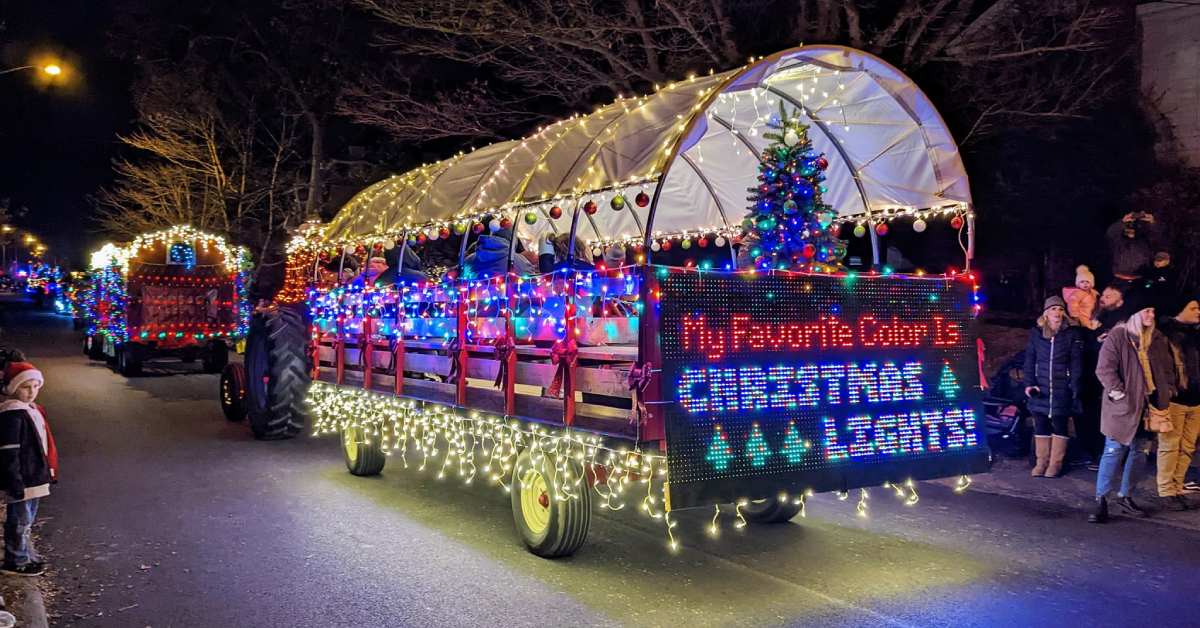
(28,464)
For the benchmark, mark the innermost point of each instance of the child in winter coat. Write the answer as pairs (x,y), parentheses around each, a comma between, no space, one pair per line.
(1082,299)
(28,464)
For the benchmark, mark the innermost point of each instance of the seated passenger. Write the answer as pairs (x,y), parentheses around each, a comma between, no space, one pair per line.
(490,257)
(553,253)
(411,268)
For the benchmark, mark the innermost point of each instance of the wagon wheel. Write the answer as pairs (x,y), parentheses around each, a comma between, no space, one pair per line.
(233,391)
(551,524)
(363,454)
(770,510)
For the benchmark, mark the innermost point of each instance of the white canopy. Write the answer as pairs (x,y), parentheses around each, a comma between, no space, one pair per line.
(693,147)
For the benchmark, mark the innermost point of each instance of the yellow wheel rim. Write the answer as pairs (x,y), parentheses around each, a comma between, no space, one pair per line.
(350,443)
(535,501)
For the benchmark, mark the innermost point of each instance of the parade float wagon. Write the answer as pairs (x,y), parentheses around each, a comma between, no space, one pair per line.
(177,292)
(729,356)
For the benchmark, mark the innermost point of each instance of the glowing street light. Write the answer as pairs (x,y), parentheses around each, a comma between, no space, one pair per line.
(53,69)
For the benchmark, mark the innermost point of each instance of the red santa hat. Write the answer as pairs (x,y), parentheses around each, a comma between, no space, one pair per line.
(17,373)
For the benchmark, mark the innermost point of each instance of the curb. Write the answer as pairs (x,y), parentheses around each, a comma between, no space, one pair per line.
(24,600)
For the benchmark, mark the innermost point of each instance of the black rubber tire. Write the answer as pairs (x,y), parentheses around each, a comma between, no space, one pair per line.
(568,519)
(770,511)
(277,373)
(216,357)
(129,360)
(94,347)
(233,391)
(362,455)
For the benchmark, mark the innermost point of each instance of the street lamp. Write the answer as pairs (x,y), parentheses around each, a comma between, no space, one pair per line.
(53,69)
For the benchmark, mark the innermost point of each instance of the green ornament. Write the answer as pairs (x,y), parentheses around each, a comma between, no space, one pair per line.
(687,244)
(460,228)
(530,218)
(617,202)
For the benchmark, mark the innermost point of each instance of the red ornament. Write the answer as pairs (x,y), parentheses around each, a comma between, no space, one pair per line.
(642,199)
(444,233)
(703,242)
(666,245)
(477,228)
(881,228)
(421,238)
(556,212)
(822,163)
(809,251)
(956,222)
(506,223)
(590,207)
(360,249)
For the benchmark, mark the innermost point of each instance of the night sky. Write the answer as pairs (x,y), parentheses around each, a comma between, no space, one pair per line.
(57,142)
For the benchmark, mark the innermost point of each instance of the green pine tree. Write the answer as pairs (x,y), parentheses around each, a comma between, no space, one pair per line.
(756,448)
(794,228)
(719,454)
(949,383)
(794,447)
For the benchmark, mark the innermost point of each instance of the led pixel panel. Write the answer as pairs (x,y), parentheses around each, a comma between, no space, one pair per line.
(790,382)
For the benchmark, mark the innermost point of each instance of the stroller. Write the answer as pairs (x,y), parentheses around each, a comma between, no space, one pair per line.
(1005,414)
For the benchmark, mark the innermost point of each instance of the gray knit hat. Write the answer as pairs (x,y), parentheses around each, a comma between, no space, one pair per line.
(1053,301)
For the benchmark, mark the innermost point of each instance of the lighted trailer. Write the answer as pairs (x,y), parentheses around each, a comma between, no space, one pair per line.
(177,292)
(664,386)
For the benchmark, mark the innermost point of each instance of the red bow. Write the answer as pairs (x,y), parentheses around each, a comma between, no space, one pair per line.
(505,345)
(566,355)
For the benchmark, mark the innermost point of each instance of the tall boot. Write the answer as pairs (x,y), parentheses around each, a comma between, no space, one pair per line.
(1058,451)
(1041,448)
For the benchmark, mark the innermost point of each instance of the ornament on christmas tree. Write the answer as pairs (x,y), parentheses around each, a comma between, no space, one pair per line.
(792,222)
(556,212)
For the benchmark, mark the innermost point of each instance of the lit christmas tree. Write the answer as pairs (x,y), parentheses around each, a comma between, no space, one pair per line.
(794,447)
(795,229)
(949,384)
(719,454)
(756,448)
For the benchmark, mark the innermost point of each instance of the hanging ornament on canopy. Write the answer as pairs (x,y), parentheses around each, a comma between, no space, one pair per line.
(617,203)
(919,225)
(642,199)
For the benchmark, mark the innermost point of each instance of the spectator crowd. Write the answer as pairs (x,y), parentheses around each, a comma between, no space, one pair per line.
(1122,365)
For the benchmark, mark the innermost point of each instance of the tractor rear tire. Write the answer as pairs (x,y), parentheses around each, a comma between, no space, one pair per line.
(129,360)
(216,357)
(551,525)
(363,456)
(277,373)
(770,511)
(233,391)
(93,346)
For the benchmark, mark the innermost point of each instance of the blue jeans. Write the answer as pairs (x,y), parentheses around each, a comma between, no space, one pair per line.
(1115,456)
(18,546)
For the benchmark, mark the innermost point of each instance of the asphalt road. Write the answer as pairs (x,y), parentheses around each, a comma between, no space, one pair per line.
(168,515)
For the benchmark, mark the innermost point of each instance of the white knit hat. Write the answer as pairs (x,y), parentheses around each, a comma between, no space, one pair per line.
(1083,272)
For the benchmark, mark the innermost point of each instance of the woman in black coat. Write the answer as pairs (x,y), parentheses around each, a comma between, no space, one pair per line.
(1053,366)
